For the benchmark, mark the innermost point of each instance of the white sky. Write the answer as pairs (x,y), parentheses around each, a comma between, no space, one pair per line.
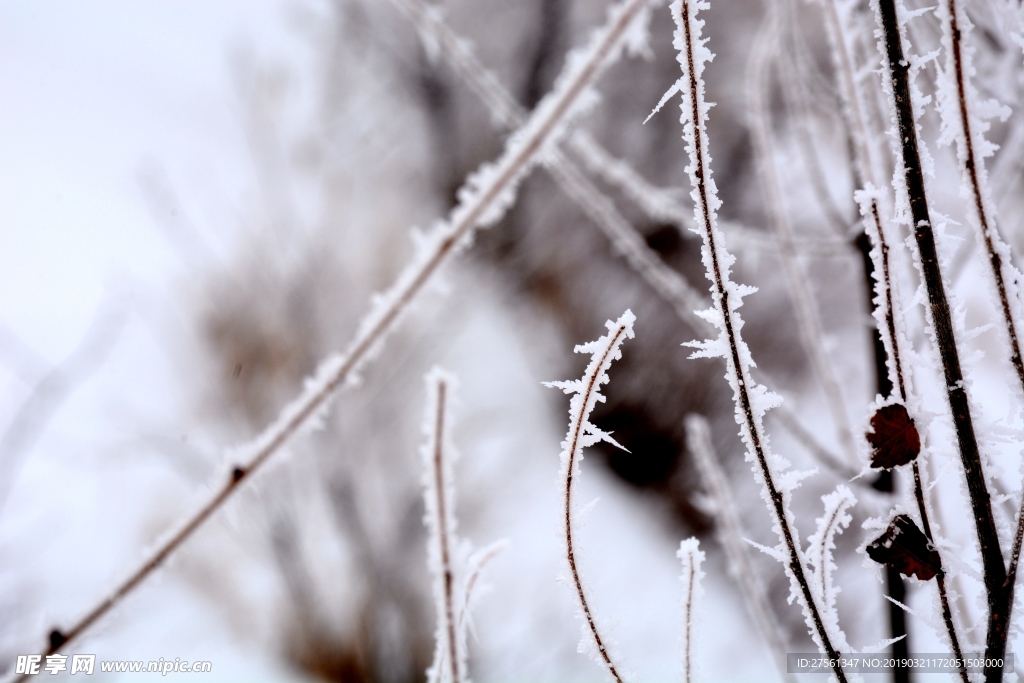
(91,90)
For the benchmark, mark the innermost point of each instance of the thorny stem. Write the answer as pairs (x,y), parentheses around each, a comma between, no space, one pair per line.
(442,531)
(577,432)
(722,295)
(999,620)
(981,504)
(890,325)
(509,169)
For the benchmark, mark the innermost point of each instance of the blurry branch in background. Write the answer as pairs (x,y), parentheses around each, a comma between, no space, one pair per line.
(692,557)
(729,532)
(661,203)
(449,664)
(586,393)
(440,40)
(751,400)
(798,100)
(821,544)
(483,200)
(170,217)
(55,386)
(804,305)
(626,242)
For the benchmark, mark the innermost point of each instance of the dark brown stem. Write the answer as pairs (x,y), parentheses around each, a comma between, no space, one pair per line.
(750,422)
(577,433)
(981,504)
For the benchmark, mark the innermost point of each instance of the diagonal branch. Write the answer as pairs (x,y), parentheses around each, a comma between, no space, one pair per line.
(626,241)
(482,201)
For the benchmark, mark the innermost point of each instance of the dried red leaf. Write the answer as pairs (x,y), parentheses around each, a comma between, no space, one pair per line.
(893,437)
(905,548)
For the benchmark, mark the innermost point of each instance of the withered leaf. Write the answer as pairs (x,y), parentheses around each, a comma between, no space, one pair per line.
(905,548)
(894,439)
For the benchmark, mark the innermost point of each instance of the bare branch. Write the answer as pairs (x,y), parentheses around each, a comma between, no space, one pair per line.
(586,394)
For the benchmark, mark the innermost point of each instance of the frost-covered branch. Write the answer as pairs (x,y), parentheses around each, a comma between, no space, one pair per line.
(483,199)
(963,114)
(751,399)
(586,393)
(439,39)
(730,535)
(660,204)
(895,339)
(439,500)
(822,543)
(804,307)
(912,203)
(692,557)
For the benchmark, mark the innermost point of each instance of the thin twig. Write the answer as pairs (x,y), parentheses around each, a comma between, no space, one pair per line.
(730,534)
(438,493)
(582,433)
(894,338)
(692,558)
(726,297)
(486,196)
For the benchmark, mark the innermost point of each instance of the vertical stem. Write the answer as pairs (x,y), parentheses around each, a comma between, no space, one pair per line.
(901,386)
(700,174)
(574,447)
(442,532)
(981,505)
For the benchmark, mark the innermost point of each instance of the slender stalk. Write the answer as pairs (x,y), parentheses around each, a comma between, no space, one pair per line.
(577,432)
(486,196)
(726,297)
(730,535)
(439,509)
(982,215)
(939,313)
(581,434)
(692,557)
